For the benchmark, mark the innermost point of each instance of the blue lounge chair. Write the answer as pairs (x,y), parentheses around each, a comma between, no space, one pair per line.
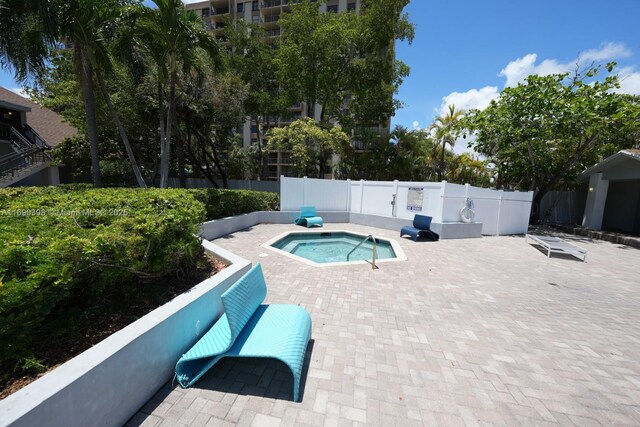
(250,329)
(421,228)
(308,217)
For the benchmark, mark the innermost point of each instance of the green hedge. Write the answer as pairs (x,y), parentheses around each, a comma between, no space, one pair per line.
(68,251)
(222,203)
(69,246)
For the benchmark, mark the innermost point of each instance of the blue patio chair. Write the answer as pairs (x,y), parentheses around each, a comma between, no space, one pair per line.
(309,217)
(249,328)
(421,228)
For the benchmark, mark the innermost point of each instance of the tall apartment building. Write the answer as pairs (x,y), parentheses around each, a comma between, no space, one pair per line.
(265,13)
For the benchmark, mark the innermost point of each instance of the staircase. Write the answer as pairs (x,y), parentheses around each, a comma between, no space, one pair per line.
(29,156)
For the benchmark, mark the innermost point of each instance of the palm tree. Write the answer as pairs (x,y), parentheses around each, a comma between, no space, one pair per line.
(86,32)
(444,128)
(171,35)
(26,39)
(32,29)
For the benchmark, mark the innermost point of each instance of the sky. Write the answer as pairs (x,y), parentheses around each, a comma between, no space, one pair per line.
(466,51)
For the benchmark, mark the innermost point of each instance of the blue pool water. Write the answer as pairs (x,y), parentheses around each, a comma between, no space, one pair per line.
(325,247)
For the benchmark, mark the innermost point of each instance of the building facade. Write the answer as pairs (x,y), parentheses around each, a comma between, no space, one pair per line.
(265,13)
(27,132)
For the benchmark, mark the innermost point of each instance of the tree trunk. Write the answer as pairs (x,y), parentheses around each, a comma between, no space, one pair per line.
(441,168)
(164,169)
(555,178)
(264,153)
(182,176)
(84,68)
(123,134)
(196,161)
(218,165)
(162,130)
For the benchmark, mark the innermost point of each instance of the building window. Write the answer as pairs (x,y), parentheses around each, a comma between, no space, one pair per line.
(206,12)
(255,5)
(240,7)
(333,8)
(351,6)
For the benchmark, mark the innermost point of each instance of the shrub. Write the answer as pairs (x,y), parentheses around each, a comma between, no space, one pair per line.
(222,203)
(74,246)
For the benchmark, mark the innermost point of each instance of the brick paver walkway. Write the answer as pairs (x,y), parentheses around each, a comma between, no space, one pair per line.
(466,332)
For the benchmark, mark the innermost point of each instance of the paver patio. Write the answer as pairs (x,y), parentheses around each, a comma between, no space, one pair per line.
(465,332)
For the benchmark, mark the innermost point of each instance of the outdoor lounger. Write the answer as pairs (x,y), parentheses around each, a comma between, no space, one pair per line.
(308,217)
(421,228)
(555,244)
(250,329)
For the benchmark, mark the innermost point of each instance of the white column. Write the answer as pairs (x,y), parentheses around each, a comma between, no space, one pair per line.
(394,207)
(596,199)
(439,214)
(304,191)
(361,194)
(282,178)
(348,207)
(342,6)
(246,133)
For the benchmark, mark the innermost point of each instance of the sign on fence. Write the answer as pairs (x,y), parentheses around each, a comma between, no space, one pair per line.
(415,198)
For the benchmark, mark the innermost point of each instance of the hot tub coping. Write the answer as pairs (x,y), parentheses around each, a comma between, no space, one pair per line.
(400,256)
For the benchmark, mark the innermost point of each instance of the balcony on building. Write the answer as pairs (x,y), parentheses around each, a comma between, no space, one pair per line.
(268,4)
(270,21)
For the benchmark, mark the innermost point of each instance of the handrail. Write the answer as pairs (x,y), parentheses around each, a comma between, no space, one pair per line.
(12,163)
(20,140)
(373,260)
(37,138)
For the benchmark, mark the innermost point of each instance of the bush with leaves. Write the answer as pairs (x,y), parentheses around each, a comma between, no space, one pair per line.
(222,203)
(68,250)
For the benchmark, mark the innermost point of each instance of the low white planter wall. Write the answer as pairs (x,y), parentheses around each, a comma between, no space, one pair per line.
(111,381)
(221,227)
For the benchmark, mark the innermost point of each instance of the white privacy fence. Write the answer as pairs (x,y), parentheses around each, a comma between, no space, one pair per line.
(500,212)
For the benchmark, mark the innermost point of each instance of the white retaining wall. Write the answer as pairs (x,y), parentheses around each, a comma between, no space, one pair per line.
(500,212)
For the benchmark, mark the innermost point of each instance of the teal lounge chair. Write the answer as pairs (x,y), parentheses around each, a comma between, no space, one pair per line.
(308,217)
(250,329)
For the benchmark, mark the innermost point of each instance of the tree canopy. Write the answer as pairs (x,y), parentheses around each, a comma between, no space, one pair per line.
(343,60)
(543,132)
(311,144)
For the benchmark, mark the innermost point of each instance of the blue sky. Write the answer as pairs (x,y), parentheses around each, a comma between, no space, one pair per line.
(466,51)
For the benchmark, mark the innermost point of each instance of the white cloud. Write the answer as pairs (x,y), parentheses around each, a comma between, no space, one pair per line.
(518,70)
(20,91)
(474,98)
(416,124)
(606,51)
(629,81)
